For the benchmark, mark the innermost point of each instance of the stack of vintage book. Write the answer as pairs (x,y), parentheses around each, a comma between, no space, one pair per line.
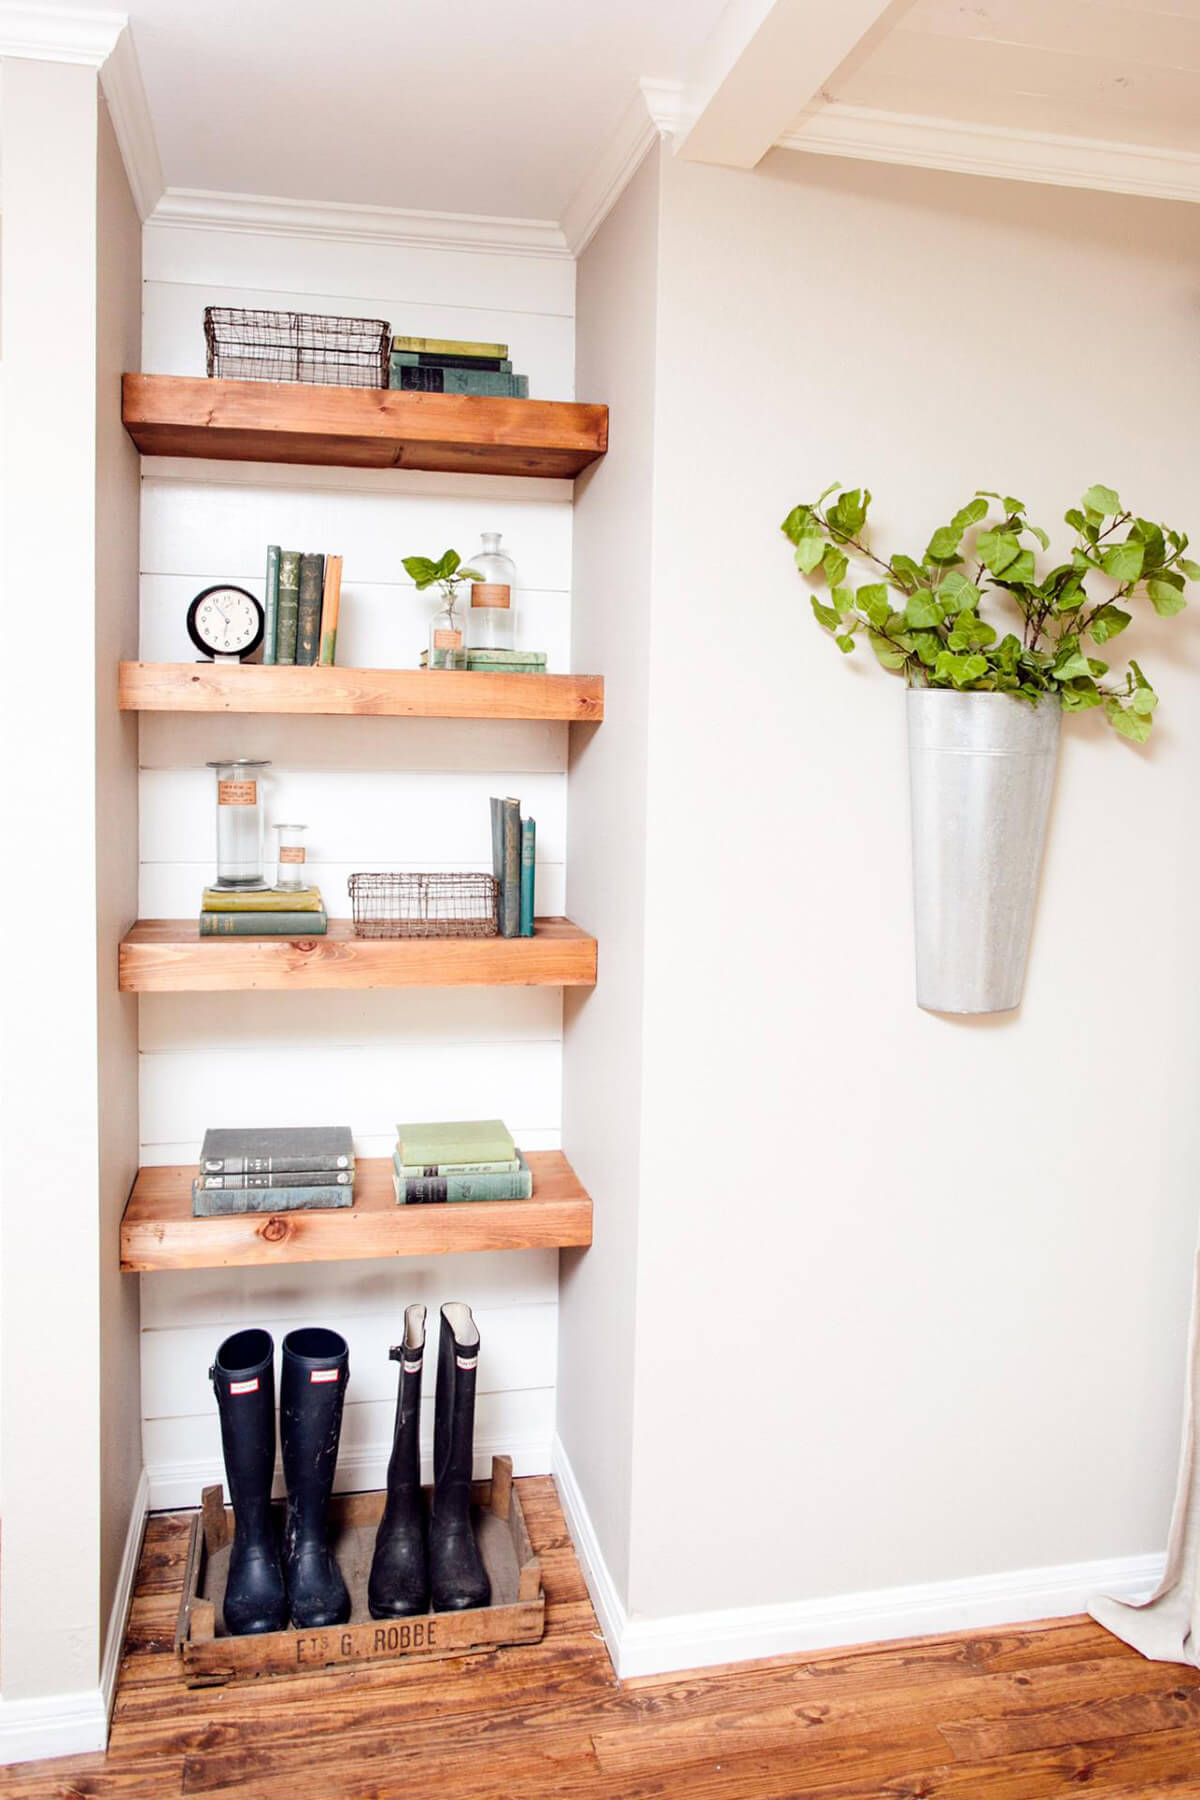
(454,366)
(303,601)
(263,912)
(458,1159)
(501,662)
(274,1170)
(514,861)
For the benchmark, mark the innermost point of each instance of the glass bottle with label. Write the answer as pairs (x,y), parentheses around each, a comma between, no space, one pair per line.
(446,632)
(290,871)
(491,622)
(239,824)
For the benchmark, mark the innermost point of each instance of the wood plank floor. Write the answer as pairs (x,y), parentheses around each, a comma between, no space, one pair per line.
(1026,1713)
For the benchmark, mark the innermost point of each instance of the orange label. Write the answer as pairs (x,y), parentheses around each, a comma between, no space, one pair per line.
(237,793)
(292,853)
(491,593)
(447,640)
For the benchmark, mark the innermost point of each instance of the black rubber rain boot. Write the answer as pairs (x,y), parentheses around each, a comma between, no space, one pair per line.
(457,1577)
(399,1582)
(243,1377)
(312,1392)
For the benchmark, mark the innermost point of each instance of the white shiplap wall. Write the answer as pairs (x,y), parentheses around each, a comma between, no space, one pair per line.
(377,793)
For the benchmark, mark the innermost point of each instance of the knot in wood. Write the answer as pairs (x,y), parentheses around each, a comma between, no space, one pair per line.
(275,1229)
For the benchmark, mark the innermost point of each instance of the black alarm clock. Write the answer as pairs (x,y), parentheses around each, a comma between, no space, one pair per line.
(225,622)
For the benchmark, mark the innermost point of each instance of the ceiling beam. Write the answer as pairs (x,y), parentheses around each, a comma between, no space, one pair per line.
(763,63)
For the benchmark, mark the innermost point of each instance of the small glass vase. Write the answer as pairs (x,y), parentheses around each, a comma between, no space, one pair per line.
(290,870)
(446,635)
(491,621)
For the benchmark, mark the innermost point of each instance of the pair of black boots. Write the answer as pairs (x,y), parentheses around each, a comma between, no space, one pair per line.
(264,1588)
(419,1561)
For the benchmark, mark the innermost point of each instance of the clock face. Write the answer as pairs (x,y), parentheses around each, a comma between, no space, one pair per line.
(225,621)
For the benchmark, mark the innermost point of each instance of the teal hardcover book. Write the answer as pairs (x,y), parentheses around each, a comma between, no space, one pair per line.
(209,1203)
(528,860)
(271,605)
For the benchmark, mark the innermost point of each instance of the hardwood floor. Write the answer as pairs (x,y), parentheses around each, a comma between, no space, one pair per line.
(1027,1713)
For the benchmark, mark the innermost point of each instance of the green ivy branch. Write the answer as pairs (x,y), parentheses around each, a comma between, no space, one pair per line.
(447,572)
(922,619)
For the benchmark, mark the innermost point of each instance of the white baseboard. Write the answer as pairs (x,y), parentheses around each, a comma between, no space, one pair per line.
(73,1724)
(176,1486)
(640,1646)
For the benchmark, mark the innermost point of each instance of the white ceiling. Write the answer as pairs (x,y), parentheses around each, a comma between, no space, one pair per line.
(447,105)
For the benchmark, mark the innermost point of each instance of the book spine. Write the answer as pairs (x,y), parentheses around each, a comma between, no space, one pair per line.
(439,380)
(282,1178)
(263,924)
(497,807)
(510,880)
(455,1189)
(331,606)
(271,605)
(528,855)
(445,359)
(210,1203)
(411,1171)
(289,605)
(309,1162)
(308,609)
(448,346)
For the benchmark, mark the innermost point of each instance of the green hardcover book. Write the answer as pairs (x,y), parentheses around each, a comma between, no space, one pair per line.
(438,380)
(289,606)
(510,867)
(445,359)
(434,1190)
(308,608)
(528,852)
(455,1141)
(409,1171)
(263,924)
(209,1203)
(271,605)
(450,346)
(501,657)
(305,899)
(280,1178)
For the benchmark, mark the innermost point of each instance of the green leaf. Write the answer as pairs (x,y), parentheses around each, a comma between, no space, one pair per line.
(1042,537)
(420,569)
(797,523)
(1108,622)
(1102,500)
(1123,561)
(1143,700)
(888,655)
(1013,506)
(922,611)
(1133,725)
(835,562)
(845,644)
(450,560)
(955,593)
(970,514)
(1021,570)
(810,548)
(1078,696)
(910,573)
(843,601)
(928,646)
(470,575)
(997,549)
(825,615)
(960,670)
(848,515)
(970,633)
(875,602)
(1070,662)
(1075,519)
(1165,597)
(1190,569)
(943,545)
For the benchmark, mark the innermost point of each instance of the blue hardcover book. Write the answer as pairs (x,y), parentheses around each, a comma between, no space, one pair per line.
(528,855)
(271,604)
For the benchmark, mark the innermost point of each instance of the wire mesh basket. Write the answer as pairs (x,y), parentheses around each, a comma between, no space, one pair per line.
(248,345)
(425,906)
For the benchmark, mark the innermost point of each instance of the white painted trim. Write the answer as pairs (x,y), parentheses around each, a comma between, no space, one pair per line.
(838,129)
(118,1617)
(176,1486)
(699,1640)
(121,79)
(74,1724)
(202,210)
(652,113)
(59,34)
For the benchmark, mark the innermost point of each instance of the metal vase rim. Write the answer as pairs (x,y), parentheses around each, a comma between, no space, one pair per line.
(981,777)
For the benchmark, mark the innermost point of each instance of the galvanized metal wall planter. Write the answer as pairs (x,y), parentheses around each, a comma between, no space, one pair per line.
(981,772)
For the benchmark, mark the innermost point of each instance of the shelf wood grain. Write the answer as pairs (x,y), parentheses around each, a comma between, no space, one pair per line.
(159,1232)
(168,956)
(360,428)
(373,693)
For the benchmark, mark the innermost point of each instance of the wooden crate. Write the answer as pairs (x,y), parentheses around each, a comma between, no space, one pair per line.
(516,1615)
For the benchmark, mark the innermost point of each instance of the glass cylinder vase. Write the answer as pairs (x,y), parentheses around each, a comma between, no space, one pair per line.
(491,620)
(239,824)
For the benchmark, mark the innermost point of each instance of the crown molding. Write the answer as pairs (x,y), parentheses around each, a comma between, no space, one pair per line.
(652,115)
(121,80)
(59,34)
(198,209)
(838,129)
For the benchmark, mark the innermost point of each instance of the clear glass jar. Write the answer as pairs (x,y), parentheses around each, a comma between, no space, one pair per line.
(290,870)
(446,634)
(491,622)
(239,824)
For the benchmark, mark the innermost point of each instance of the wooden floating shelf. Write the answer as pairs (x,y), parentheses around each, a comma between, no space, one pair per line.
(376,693)
(168,956)
(360,428)
(159,1232)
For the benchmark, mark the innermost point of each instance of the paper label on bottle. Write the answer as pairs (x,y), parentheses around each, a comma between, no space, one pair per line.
(292,853)
(447,640)
(491,593)
(237,793)
(244,1387)
(323,1375)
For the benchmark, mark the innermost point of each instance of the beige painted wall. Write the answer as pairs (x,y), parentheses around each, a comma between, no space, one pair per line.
(912,1291)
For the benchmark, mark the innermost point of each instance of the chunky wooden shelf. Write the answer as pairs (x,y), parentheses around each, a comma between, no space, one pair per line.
(377,693)
(168,956)
(159,1232)
(360,428)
